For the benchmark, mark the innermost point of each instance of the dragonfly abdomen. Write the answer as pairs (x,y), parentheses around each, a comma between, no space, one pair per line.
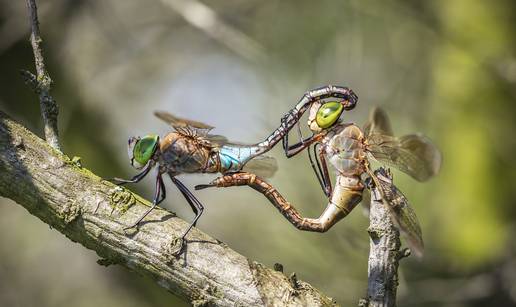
(234,157)
(348,192)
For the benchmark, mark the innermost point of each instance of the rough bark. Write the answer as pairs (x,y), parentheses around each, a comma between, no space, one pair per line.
(384,255)
(93,212)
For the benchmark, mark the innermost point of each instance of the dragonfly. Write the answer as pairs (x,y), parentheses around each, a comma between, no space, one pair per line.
(350,150)
(190,148)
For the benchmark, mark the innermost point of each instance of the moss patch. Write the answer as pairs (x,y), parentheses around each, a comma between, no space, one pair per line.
(121,200)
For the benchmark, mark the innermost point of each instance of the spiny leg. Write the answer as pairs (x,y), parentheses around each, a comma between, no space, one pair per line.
(159,196)
(292,150)
(331,215)
(194,203)
(136,178)
(321,172)
(325,172)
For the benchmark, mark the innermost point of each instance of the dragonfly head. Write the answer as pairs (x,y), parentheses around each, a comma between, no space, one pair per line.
(324,115)
(141,150)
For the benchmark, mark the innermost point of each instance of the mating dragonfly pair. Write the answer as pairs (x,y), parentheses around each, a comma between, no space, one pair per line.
(191,149)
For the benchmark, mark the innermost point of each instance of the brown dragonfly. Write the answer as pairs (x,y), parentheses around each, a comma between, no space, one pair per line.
(350,150)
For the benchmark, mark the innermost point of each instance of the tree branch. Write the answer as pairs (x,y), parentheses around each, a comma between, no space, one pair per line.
(93,212)
(42,82)
(384,255)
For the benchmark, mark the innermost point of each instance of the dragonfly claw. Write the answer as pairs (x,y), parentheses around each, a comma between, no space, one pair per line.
(116,180)
(130,227)
(181,243)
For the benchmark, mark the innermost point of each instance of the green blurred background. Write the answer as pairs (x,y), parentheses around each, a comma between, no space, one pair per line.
(445,68)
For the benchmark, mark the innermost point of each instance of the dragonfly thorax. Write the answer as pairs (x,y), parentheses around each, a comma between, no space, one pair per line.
(182,154)
(344,147)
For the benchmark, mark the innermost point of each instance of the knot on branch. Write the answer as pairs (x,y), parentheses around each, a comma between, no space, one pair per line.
(121,200)
(44,81)
(404,253)
(39,84)
(69,212)
(173,249)
(375,233)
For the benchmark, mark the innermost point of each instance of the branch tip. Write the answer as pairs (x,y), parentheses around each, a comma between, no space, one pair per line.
(42,82)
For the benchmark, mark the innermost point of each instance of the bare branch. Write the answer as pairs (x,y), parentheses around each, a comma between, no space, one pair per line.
(384,255)
(49,109)
(93,212)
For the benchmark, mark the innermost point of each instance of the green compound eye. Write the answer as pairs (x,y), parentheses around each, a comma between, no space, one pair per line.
(328,114)
(144,148)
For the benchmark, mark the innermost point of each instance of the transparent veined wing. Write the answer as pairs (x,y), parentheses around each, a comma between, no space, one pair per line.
(178,122)
(191,128)
(412,154)
(215,140)
(263,166)
(378,123)
(403,215)
(366,201)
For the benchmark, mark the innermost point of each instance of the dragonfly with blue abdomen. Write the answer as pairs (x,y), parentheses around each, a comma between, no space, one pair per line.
(349,150)
(191,149)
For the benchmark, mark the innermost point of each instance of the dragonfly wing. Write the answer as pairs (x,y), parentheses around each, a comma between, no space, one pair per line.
(378,123)
(366,201)
(183,123)
(403,215)
(263,166)
(216,140)
(412,154)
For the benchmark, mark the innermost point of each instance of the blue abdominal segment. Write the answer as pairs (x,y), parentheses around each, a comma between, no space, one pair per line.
(234,157)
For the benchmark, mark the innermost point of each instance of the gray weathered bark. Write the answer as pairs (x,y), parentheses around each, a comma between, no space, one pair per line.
(93,212)
(384,255)
(42,82)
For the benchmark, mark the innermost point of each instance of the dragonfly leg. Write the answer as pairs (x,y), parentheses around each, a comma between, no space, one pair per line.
(343,200)
(194,203)
(136,178)
(292,150)
(159,196)
(321,173)
(325,172)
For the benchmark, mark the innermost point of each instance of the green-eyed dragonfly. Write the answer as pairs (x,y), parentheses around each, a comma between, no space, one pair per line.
(349,149)
(191,149)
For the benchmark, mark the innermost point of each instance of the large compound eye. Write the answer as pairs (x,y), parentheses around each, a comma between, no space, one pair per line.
(144,149)
(328,114)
